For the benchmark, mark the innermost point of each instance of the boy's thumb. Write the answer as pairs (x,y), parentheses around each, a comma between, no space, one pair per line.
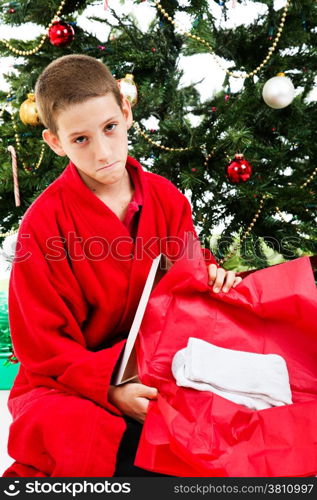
(152,392)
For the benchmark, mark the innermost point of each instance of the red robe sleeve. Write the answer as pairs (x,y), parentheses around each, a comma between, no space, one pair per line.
(46,329)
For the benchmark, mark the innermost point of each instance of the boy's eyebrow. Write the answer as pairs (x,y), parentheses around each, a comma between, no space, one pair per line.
(83,132)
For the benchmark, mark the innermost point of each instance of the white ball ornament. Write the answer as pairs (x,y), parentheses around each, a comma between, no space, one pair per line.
(278,92)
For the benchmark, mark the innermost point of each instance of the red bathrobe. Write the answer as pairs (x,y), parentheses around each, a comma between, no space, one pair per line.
(74,288)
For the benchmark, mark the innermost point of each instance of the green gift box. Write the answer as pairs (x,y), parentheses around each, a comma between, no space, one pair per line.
(8,370)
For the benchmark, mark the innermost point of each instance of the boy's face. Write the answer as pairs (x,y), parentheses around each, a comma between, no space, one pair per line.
(93,134)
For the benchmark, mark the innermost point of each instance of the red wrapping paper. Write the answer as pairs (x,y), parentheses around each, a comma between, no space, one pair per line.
(200,434)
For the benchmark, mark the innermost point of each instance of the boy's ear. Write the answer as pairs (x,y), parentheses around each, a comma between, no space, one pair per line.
(127,111)
(53,142)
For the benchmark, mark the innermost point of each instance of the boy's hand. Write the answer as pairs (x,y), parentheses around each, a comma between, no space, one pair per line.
(221,279)
(132,399)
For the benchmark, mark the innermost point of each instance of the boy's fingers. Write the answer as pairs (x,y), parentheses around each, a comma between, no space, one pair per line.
(229,280)
(219,278)
(221,273)
(143,404)
(237,280)
(140,410)
(212,272)
(148,392)
(153,393)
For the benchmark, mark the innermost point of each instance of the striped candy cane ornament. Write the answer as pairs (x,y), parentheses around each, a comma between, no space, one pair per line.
(15,175)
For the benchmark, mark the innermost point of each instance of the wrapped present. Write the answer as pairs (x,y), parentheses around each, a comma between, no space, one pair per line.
(201,434)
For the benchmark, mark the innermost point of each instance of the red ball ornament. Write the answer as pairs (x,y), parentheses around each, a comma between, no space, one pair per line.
(238,170)
(61,34)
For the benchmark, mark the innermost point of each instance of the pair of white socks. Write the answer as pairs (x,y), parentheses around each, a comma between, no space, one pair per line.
(258,381)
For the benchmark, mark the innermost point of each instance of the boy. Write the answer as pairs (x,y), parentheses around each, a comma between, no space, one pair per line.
(84,249)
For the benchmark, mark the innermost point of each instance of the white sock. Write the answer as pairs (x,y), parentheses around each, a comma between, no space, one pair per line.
(257,381)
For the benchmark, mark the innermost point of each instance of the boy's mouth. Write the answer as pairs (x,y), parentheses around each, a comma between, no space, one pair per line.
(106,166)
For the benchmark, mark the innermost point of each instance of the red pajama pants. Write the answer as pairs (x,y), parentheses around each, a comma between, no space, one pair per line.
(56,434)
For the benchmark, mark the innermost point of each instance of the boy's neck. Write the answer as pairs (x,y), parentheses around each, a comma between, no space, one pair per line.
(119,191)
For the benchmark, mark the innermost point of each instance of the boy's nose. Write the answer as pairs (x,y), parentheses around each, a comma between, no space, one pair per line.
(102,150)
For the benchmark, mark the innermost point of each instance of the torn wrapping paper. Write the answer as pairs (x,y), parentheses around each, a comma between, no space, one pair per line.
(201,434)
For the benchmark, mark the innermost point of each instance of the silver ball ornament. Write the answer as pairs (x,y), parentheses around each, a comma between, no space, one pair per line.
(278,92)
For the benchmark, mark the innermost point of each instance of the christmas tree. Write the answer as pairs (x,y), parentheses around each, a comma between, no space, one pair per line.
(247,162)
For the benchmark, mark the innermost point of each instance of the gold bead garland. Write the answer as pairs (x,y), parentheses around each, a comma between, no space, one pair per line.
(9,233)
(305,184)
(248,231)
(199,39)
(207,44)
(280,214)
(36,49)
(165,148)
(18,142)
(310,178)
(13,231)
(19,147)
(154,143)
(17,139)
(207,157)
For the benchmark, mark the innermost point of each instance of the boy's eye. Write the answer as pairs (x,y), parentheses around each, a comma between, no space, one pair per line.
(109,127)
(78,138)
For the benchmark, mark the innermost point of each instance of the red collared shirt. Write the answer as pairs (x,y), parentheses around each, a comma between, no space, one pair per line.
(132,215)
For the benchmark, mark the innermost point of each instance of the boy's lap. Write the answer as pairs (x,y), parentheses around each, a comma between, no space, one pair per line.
(61,434)
(51,403)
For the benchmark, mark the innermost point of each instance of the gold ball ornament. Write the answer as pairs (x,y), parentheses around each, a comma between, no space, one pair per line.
(128,88)
(28,111)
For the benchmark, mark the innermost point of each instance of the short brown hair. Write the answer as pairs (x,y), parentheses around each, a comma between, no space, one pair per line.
(70,80)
